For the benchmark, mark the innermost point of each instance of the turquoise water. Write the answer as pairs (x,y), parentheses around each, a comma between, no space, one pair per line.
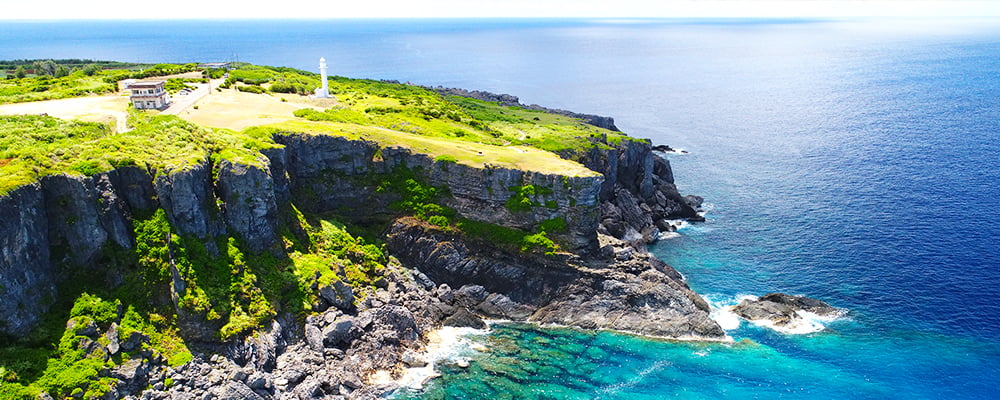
(852,161)
(524,362)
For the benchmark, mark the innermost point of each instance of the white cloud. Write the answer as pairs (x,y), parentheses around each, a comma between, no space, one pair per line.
(122,9)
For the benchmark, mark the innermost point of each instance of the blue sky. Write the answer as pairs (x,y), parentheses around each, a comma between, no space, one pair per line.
(185,9)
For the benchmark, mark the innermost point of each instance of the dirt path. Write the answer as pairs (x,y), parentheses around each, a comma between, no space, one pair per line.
(179,103)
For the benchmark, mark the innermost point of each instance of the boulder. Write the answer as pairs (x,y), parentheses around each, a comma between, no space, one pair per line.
(339,295)
(464,319)
(237,390)
(341,332)
(314,337)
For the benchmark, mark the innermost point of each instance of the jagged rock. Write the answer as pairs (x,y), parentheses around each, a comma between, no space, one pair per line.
(112,335)
(308,389)
(464,318)
(471,295)
(501,306)
(133,341)
(338,294)
(187,197)
(25,270)
(640,295)
(130,370)
(414,360)
(693,201)
(314,337)
(445,294)
(781,308)
(236,390)
(82,326)
(341,331)
(259,381)
(73,217)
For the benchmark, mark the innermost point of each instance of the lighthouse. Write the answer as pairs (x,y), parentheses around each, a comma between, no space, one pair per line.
(323,92)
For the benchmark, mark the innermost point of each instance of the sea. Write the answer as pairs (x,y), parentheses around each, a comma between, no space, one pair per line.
(855,161)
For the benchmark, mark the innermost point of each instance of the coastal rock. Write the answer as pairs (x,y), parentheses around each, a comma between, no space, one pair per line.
(466,319)
(782,309)
(341,331)
(640,295)
(236,390)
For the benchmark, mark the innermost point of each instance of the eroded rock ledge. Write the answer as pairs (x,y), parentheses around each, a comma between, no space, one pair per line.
(620,288)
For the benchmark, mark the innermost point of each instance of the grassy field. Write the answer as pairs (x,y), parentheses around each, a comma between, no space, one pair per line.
(232,109)
(468,153)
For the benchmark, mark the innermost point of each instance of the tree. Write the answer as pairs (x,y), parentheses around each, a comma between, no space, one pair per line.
(91,69)
(19,72)
(61,71)
(47,67)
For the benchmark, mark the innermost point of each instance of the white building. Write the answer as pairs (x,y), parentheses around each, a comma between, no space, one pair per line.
(149,95)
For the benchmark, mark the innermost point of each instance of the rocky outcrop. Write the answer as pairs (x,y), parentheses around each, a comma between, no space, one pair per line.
(71,205)
(331,356)
(621,289)
(782,309)
(638,196)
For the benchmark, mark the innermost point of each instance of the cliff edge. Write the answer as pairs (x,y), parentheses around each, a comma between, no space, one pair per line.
(233,272)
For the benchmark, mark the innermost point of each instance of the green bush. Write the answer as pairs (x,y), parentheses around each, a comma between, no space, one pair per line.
(251,89)
(445,158)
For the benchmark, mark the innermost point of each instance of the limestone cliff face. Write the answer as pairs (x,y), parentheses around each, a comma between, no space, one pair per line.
(333,174)
(71,219)
(638,195)
(250,208)
(187,197)
(26,277)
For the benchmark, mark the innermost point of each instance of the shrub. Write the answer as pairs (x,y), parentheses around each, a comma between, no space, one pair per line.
(445,158)
(251,89)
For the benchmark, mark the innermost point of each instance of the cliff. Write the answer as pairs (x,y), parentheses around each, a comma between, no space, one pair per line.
(228,245)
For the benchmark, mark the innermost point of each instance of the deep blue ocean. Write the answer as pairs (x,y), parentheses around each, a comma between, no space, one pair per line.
(855,161)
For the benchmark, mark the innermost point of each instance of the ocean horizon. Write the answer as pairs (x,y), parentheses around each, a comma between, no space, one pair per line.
(855,161)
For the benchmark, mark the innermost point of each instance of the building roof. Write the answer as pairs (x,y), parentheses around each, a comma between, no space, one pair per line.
(146,84)
(215,65)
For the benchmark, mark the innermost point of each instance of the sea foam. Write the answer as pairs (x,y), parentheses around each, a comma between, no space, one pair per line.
(805,323)
(445,345)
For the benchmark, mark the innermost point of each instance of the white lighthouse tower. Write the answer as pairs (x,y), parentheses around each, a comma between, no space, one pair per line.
(323,92)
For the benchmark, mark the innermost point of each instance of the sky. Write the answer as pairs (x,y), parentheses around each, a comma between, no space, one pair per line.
(199,9)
